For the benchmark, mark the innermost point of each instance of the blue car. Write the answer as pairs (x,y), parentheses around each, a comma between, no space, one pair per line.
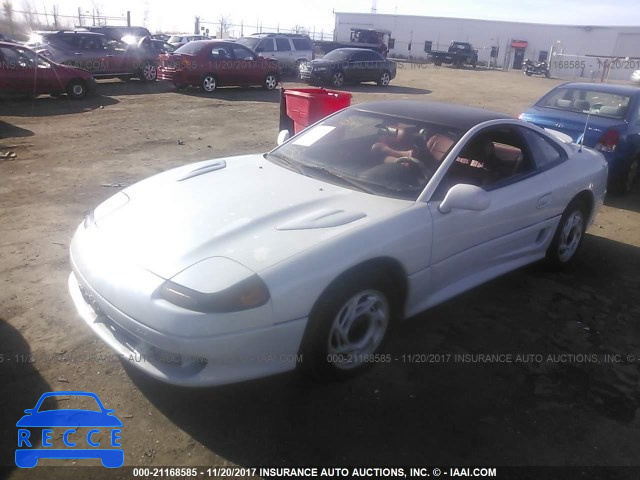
(614,124)
(76,446)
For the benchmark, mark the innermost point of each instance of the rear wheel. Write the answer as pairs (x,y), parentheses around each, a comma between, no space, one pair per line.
(148,72)
(76,89)
(209,83)
(270,81)
(337,79)
(624,184)
(384,79)
(569,235)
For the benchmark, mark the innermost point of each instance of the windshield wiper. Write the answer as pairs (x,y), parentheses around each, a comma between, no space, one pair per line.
(283,160)
(332,173)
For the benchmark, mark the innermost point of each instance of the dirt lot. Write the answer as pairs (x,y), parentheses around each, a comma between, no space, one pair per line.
(552,412)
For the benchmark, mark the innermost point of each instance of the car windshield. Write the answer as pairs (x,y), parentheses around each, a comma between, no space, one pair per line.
(250,42)
(337,55)
(372,152)
(191,47)
(604,104)
(66,402)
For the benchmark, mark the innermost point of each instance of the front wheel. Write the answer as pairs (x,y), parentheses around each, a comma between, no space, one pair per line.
(569,234)
(76,89)
(337,79)
(348,326)
(270,81)
(384,79)
(209,83)
(547,73)
(528,73)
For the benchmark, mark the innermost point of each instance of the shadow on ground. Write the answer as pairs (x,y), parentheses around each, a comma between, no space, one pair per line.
(629,202)
(22,386)
(48,106)
(8,130)
(434,402)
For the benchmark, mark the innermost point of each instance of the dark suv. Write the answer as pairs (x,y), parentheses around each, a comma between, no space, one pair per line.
(103,56)
(116,33)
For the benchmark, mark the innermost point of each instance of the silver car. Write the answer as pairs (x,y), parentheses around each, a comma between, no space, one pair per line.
(290,50)
(178,40)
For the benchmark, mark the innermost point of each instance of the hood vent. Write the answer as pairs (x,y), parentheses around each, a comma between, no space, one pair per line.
(211,167)
(323,218)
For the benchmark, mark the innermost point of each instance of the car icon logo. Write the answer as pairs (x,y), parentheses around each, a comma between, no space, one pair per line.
(98,423)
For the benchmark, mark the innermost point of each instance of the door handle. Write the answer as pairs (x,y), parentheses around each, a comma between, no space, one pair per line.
(544,201)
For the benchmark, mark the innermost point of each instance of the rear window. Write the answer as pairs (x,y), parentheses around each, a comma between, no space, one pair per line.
(190,48)
(604,104)
(302,44)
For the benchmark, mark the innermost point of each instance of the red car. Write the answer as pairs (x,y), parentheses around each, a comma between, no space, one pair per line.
(210,64)
(24,72)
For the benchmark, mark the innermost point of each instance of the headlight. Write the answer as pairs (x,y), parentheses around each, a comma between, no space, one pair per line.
(203,287)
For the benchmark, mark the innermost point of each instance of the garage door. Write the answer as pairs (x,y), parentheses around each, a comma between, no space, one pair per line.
(627,45)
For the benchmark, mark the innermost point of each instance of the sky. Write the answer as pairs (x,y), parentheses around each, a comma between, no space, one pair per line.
(172,16)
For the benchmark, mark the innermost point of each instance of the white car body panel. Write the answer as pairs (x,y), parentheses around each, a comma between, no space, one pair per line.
(194,223)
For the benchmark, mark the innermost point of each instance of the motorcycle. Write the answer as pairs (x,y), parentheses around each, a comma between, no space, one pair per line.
(530,67)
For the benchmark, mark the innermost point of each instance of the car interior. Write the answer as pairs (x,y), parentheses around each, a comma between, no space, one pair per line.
(492,159)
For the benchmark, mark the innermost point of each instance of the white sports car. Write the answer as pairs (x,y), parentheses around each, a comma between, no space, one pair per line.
(237,268)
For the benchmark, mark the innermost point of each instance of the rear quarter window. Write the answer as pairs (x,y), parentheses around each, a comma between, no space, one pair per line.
(302,44)
(543,151)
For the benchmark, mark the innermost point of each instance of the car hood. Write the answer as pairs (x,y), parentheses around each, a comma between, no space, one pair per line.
(321,62)
(573,123)
(244,208)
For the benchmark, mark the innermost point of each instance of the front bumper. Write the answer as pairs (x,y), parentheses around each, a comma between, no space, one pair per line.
(189,361)
(175,76)
(313,77)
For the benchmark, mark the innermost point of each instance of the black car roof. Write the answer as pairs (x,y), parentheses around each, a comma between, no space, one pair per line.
(449,114)
(603,87)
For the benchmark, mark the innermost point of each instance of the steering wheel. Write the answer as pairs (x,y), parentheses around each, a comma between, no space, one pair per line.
(414,162)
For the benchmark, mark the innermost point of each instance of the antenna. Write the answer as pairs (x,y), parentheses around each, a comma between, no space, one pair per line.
(586,124)
(584,132)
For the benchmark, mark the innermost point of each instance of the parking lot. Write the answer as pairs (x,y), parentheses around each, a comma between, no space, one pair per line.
(570,398)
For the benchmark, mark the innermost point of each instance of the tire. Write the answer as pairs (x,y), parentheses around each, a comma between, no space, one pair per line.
(625,182)
(337,79)
(437,63)
(384,79)
(348,325)
(547,73)
(528,73)
(77,89)
(148,72)
(568,236)
(209,83)
(270,81)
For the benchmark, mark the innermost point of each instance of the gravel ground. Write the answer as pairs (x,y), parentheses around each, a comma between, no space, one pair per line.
(443,407)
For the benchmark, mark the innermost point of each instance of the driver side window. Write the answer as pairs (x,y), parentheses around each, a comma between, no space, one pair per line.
(492,159)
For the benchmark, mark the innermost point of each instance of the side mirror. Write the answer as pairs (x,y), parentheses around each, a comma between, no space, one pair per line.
(465,197)
(283,136)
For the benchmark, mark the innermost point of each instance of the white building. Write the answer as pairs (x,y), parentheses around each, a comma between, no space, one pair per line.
(511,42)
